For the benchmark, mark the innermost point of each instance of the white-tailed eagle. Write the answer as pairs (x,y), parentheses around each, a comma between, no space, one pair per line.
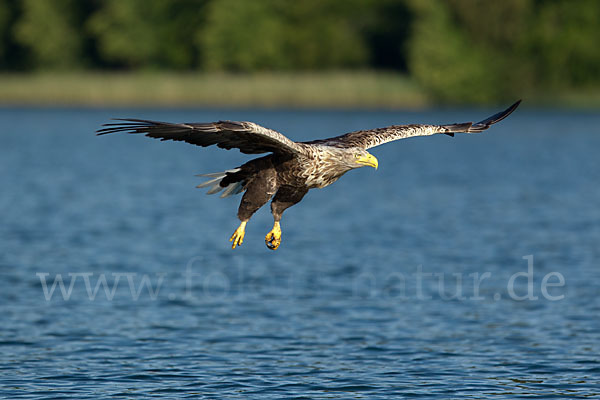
(291,168)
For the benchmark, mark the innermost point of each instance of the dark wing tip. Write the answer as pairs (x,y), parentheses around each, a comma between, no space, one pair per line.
(128,125)
(486,123)
(480,126)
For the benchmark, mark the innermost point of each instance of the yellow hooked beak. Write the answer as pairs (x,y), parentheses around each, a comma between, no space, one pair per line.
(368,160)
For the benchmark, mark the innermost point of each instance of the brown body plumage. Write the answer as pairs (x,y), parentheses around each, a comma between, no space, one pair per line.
(292,168)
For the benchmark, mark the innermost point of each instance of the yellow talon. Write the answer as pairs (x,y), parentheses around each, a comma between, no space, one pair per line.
(238,236)
(273,238)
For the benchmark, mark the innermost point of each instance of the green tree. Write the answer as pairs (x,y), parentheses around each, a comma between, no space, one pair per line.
(471,50)
(387,29)
(565,43)
(483,51)
(243,35)
(327,33)
(148,33)
(270,34)
(5,17)
(51,31)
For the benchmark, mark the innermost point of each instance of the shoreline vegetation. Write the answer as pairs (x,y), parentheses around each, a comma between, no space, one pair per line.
(378,54)
(344,90)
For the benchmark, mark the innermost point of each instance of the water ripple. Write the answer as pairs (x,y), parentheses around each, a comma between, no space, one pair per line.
(338,310)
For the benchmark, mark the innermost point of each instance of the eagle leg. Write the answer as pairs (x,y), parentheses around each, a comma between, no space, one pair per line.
(273,238)
(238,236)
(285,197)
(259,190)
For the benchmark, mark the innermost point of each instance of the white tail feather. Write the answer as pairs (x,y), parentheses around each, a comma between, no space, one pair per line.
(215,189)
(232,189)
(211,182)
(219,174)
(213,175)
(215,183)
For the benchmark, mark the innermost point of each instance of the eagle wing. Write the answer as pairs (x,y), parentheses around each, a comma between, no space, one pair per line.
(375,137)
(248,137)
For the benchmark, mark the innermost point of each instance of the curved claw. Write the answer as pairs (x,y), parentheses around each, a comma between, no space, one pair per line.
(273,238)
(238,236)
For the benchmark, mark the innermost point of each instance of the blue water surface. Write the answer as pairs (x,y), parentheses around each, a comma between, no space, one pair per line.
(464,267)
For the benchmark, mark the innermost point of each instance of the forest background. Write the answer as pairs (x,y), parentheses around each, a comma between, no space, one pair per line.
(308,53)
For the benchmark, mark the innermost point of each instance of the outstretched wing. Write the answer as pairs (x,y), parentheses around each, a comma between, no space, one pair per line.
(248,137)
(375,137)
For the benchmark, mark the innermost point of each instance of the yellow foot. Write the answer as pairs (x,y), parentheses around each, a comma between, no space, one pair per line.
(273,238)
(238,236)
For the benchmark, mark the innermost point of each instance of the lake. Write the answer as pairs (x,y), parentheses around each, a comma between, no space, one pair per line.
(463,267)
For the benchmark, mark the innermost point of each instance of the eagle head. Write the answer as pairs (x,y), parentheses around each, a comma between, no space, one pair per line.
(362,158)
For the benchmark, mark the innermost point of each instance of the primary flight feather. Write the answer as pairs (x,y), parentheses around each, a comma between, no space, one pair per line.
(291,168)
